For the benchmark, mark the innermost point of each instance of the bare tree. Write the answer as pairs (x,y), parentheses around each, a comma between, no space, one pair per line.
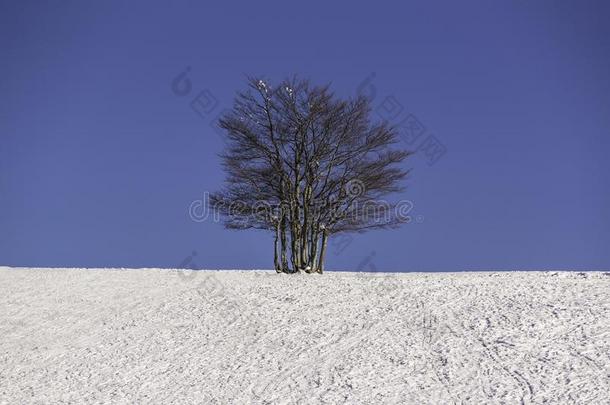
(305,164)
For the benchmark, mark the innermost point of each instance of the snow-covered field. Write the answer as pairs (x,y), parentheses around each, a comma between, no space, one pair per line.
(168,336)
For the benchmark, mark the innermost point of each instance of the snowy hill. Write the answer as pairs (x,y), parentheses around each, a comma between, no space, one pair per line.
(168,336)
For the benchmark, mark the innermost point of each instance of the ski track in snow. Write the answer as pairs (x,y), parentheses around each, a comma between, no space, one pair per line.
(218,337)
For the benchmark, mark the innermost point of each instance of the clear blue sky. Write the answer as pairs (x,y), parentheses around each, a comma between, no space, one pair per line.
(100,159)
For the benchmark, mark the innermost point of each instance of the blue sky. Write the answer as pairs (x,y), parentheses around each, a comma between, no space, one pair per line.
(100,158)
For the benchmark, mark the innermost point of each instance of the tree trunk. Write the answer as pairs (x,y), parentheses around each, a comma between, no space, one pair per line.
(307,223)
(303,241)
(294,237)
(320,266)
(313,256)
(276,263)
(294,250)
(284,244)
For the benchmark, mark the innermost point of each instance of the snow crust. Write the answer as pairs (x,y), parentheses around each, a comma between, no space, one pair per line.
(173,336)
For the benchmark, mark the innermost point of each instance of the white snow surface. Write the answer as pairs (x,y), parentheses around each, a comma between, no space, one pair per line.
(242,337)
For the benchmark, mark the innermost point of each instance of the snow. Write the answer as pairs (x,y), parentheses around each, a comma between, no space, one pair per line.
(169,336)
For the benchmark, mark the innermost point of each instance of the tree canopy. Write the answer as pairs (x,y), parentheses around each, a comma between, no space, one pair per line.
(305,164)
